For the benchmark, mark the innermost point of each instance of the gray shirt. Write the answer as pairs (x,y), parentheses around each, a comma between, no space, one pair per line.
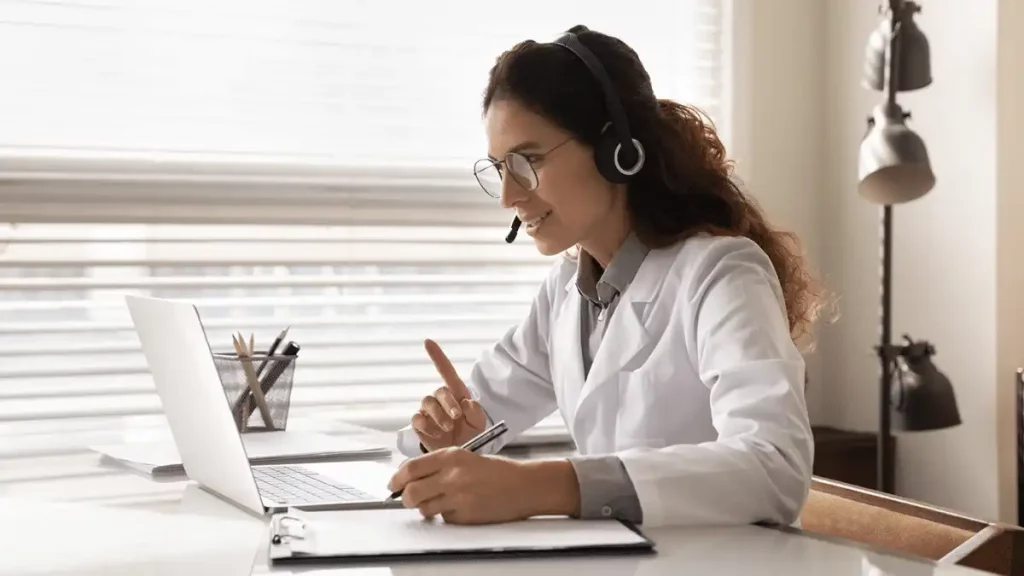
(606,490)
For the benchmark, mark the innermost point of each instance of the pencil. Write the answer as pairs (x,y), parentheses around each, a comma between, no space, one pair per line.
(250,376)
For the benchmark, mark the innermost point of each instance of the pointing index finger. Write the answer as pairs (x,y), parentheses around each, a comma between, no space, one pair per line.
(447,371)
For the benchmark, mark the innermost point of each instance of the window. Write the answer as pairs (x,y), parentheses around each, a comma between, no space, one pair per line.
(300,163)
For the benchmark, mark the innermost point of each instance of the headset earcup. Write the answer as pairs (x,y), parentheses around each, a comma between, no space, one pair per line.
(604,157)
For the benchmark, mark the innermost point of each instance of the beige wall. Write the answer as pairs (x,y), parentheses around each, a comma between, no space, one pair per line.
(957,264)
(944,248)
(1010,227)
(776,92)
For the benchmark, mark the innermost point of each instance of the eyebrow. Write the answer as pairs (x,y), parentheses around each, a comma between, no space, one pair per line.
(518,148)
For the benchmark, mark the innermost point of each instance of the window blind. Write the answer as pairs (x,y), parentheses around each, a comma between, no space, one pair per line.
(295,163)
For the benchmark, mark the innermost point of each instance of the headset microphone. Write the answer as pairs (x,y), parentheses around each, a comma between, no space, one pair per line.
(516,223)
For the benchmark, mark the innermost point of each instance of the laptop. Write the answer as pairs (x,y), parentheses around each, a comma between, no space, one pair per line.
(181,361)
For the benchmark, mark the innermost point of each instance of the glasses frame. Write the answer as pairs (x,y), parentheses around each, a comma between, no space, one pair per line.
(529,159)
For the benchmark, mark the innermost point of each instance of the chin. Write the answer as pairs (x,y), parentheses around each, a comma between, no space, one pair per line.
(551,248)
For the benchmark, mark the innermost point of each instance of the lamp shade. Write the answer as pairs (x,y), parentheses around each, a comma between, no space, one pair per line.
(923,397)
(893,161)
(914,54)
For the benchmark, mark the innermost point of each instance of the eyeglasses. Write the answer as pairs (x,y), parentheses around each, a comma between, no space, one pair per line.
(489,173)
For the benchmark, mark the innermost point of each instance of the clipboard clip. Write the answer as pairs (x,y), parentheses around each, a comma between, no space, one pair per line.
(285,528)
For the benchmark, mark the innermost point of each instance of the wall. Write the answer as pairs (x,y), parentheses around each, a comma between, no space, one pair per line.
(945,248)
(776,90)
(798,119)
(1010,240)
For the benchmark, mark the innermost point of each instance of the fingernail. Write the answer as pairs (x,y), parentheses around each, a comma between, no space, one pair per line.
(455,413)
(448,426)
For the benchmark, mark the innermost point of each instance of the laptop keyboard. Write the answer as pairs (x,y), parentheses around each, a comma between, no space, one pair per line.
(297,485)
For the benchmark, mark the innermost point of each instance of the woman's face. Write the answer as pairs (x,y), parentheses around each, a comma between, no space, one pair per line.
(572,204)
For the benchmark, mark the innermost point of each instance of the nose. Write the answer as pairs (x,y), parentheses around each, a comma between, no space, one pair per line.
(512,193)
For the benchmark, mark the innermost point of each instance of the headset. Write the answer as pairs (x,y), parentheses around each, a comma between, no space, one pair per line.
(617,155)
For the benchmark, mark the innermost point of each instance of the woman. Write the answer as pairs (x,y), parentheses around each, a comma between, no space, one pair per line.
(666,339)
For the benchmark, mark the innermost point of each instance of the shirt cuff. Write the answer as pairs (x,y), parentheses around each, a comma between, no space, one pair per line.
(408,442)
(606,490)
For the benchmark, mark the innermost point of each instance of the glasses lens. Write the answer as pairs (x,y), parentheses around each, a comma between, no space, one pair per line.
(488,174)
(522,171)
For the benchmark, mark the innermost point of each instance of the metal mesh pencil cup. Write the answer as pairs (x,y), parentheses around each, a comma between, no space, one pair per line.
(275,375)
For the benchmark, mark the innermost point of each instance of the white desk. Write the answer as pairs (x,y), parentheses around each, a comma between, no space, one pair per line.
(178,528)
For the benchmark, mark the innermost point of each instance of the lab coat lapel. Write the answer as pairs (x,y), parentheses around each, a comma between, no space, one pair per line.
(625,337)
(567,354)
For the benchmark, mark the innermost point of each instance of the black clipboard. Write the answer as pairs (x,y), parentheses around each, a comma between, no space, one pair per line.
(293,541)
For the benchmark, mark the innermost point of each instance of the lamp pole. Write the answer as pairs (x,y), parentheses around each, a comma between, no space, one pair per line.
(886,458)
(894,168)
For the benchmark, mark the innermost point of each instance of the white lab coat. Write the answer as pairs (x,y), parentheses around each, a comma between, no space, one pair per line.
(697,385)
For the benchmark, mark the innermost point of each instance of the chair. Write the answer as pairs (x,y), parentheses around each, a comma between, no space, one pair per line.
(1019,386)
(899,525)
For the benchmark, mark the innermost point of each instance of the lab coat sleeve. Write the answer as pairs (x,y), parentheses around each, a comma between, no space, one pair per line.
(759,467)
(512,378)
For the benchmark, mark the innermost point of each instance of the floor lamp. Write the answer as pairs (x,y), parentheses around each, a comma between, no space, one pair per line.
(894,169)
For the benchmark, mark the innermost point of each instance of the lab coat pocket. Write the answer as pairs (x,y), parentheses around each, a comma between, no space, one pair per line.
(639,422)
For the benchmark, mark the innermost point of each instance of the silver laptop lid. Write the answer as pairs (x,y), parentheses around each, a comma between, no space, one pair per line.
(181,362)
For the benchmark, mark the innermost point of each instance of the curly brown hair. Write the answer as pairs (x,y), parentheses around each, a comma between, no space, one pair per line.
(687,185)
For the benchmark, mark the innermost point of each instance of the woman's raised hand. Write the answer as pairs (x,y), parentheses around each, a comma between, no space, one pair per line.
(449,416)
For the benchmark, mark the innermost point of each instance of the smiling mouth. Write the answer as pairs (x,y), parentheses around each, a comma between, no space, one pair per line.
(533,224)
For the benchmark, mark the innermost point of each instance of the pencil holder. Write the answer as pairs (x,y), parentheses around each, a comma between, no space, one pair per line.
(274,375)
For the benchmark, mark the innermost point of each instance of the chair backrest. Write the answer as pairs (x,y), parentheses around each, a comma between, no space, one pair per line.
(1019,386)
(905,526)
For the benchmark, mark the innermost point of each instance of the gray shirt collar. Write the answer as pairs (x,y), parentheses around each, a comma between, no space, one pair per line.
(602,286)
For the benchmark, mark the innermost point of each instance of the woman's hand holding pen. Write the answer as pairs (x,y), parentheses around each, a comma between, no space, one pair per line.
(463,487)
(449,416)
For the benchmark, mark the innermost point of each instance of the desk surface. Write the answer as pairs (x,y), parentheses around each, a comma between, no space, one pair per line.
(56,511)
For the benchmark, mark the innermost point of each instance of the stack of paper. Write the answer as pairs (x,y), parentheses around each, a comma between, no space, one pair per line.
(284,447)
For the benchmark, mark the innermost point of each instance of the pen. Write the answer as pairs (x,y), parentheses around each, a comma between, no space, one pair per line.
(479,441)
(271,350)
(270,378)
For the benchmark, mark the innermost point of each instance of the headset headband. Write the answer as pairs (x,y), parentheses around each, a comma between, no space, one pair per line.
(618,115)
